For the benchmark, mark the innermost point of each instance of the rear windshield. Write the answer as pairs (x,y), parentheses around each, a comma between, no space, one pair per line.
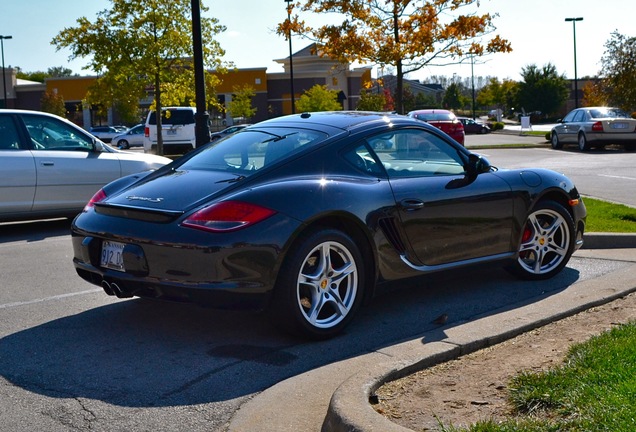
(608,113)
(250,150)
(173,116)
(435,116)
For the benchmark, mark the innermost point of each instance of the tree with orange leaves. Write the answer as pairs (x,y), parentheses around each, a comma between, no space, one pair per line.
(406,34)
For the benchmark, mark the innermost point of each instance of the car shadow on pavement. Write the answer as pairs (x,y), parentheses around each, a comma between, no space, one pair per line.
(143,353)
(34,230)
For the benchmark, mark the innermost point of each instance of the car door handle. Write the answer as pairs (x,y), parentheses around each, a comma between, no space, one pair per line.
(411,204)
(47,163)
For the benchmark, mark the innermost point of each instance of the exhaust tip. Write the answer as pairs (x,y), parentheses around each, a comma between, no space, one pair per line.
(107,288)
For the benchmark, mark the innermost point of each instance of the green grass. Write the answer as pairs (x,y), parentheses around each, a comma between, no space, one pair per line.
(603,216)
(594,390)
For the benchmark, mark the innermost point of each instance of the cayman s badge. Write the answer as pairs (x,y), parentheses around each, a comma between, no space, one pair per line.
(141,198)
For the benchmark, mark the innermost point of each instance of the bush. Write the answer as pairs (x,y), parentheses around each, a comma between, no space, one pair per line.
(548,136)
(496,126)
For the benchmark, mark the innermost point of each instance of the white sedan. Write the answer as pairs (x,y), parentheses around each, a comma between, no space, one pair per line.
(51,167)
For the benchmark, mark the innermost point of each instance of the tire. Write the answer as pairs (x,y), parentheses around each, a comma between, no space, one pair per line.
(546,244)
(554,141)
(583,144)
(320,285)
(123,144)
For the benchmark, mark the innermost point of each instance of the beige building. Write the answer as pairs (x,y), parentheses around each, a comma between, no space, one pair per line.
(273,90)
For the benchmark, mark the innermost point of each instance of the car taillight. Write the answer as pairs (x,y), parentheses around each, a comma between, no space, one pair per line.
(455,127)
(227,216)
(98,197)
(597,127)
(147,132)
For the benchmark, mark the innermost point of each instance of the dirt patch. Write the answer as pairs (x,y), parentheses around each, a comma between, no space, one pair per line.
(474,387)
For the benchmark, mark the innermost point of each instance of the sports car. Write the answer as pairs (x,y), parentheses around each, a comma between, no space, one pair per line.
(307,216)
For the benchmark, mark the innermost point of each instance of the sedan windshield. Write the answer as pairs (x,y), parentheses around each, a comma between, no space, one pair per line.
(608,113)
(249,150)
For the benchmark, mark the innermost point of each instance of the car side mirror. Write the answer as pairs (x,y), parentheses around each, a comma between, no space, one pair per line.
(477,164)
(97,146)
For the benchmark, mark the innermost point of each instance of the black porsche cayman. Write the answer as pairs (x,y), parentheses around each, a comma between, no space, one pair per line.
(307,215)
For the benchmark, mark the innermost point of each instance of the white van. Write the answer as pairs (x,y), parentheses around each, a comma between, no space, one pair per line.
(178,130)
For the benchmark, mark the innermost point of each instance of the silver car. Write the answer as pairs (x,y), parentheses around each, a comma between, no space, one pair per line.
(132,137)
(51,167)
(595,127)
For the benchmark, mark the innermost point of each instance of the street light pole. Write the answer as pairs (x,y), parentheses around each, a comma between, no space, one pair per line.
(576,86)
(4,76)
(291,63)
(201,127)
(472,76)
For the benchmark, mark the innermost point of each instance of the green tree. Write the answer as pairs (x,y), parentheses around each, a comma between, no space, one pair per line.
(453,98)
(37,76)
(241,103)
(370,101)
(500,94)
(40,76)
(542,89)
(139,44)
(318,98)
(423,101)
(53,103)
(619,71)
(59,71)
(406,34)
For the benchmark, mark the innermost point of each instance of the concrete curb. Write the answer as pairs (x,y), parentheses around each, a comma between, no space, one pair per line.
(609,241)
(350,408)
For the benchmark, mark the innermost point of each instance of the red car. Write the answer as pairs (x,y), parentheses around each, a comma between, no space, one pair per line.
(442,119)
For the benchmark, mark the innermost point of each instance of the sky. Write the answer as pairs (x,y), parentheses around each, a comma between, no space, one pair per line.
(536,29)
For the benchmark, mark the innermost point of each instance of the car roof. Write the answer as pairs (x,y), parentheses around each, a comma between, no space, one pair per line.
(344,120)
(430,110)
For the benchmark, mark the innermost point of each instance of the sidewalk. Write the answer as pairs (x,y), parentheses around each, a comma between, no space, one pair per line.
(336,397)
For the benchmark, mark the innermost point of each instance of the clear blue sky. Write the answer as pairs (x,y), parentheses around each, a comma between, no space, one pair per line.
(536,29)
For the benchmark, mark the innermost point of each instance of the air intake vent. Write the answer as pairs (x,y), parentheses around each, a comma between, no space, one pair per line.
(392,234)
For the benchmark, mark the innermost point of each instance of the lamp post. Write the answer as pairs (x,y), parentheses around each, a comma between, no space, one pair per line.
(291,63)
(4,76)
(472,77)
(576,86)
(201,127)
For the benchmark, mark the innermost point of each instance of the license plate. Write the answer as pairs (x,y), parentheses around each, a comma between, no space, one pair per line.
(618,125)
(113,255)
(172,131)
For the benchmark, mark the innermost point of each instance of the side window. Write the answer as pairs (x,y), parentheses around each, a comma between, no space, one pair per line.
(363,161)
(580,116)
(416,153)
(9,139)
(50,134)
(568,118)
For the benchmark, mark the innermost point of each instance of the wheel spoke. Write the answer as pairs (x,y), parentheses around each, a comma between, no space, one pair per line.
(317,304)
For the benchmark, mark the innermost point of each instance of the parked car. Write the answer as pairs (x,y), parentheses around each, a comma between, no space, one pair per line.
(130,138)
(104,133)
(305,216)
(178,130)
(474,126)
(595,127)
(442,119)
(228,131)
(51,167)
